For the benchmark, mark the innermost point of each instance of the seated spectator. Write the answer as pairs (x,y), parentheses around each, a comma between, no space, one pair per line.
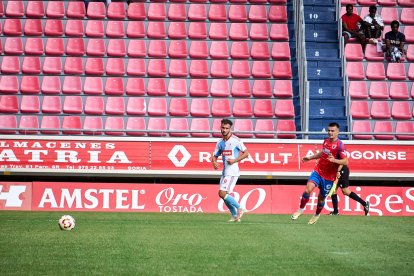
(373,25)
(351,26)
(394,43)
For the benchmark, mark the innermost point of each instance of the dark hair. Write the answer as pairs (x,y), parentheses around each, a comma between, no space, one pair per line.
(396,23)
(334,124)
(372,8)
(226,122)
(349,5)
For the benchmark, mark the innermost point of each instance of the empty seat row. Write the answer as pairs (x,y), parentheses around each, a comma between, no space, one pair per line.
(383,130)
(399,110)
(140,126)
(388,14)
(199,107)
(380,90)
(404,3)
(151,67)
(151,87)
(376,71)
(141,48)
(140,11)
(353,52)
(141,29)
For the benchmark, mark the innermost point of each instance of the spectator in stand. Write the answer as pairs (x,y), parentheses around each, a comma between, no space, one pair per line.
(394,43)
(352,26)
(373,25)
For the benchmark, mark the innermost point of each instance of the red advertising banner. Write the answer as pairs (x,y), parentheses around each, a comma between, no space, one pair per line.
(192,198)
(193,157)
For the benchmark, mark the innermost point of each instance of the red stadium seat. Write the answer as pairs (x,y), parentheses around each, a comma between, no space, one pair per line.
(198,49)
(197,30)
(50,125)
(13,46)
(29,104)
(92,125)
(240,50)
(10,65)
(285,126)
(216,128)
(218,30)
(74,27)
(9,104)
(279,32)
(378,90)
(200,107)
(220,108)
(240,88)
(136,67)
(409,33)
(217,12)
(355,70)
(115,29)
(75,47)
(401,110)
(73,105)
(137,48)
(178,127)
(177,87)
(242,108)
(28,124)
(157,107)
(12,27)
(30,85)
(51,85)
(238,31)
(358,90)
(262,88)
(361,127)
(135,29)
(257,13)
(135,87)
(94,105)
(96,10)
(93,86)
(156,11)
(34,46)
(280,50)
(407,16)
(157,68)
(71,125)
(399,91)
(237,13)
(243,128)
(263,126)
(261,69)
(136,106)
(31,65)
(75,10)
(200,127)
(35,9)
(115,106)
(178,107)
(7,124)
(178,68)
(387,2)
(116,48)
(220,69)
(359,110)
(259,31)
(53,27)
(94,28)
(114,126)
(375,71)
(54,46)
(220,88)
(177,12)
(260,50)
(404,127)
(367,2)
(411,71)
(353,52)
(136,126)
(406,3)
(115,67)
(380,110)
(94,66)
(52,65)
(219,50)
(52,105)
(156,87)
(383,126)
(73,65)
(136,11)
(177,30)
(15,9)
(157,127)
(278,14)
(199,68)
(410,53)
(72,85)
(263,108)
(282,70)
(396,71)
(197,12)
(32,27)
(389,14)
(371,53)
(177,49)
(284,108)
(114,86)
(55,9)
(283,89)
(116,10)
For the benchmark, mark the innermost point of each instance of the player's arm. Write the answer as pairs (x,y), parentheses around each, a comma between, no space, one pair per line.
(242,156)
(312,157)
(338,174)
(214,162)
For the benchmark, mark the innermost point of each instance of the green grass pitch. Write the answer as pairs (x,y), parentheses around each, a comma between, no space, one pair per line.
(204,244)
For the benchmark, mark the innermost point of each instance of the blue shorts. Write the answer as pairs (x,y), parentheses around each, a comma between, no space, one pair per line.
(323,184)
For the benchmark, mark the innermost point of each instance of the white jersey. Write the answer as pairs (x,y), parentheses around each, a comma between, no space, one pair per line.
(230,149)
(377,18)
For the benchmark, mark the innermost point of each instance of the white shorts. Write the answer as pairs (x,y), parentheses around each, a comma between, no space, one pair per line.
(227,183)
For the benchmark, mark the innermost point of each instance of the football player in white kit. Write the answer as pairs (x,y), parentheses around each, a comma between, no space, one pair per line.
(229,147)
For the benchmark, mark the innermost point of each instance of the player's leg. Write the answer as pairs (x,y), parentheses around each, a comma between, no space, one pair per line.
(313,181)
(240,210)
(231,203)
(344,184)
(334,198)
(324,188)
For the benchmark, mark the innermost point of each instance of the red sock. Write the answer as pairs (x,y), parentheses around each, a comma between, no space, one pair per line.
(304,200)
(319,208)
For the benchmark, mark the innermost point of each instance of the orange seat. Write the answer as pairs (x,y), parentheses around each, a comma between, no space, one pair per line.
(358,90)
(243,128)
(359,127)
(114,126)
(383,126)
(178,127)
(177,87)
(92,125)
(264,129)
(94,105)
(200,127)
(136,126)
(380,110)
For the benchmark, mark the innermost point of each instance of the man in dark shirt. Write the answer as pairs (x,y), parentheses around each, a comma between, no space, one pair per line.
(394,43)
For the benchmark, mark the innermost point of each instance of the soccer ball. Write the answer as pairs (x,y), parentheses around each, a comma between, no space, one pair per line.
(66,222)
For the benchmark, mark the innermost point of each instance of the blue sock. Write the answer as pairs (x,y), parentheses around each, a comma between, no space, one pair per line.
(231,201)
(232,210)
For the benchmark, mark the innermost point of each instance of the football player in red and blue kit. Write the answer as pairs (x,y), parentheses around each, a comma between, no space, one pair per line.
(333,155)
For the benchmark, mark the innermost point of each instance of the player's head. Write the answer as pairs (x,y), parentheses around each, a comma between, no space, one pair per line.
(395,25)
(372,10)
(225,128)
(333,131)
(349,9)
